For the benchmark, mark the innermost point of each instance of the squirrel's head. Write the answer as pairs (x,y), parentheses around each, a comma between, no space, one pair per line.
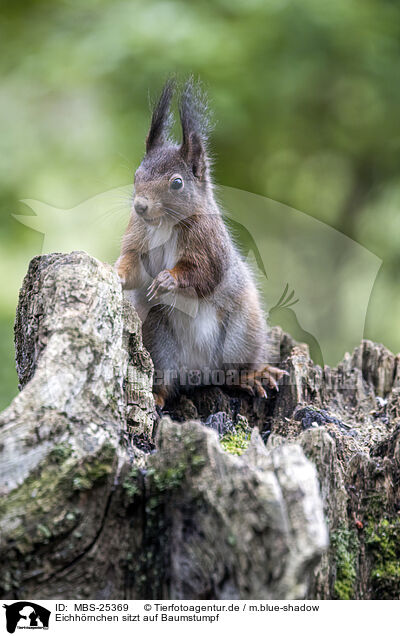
(173,180)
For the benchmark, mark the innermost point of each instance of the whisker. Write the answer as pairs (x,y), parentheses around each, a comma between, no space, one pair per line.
(117,210)
(175,215)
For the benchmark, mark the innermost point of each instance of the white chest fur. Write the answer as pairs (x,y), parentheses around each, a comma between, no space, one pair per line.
(193,320)
(162,253)
(197,336)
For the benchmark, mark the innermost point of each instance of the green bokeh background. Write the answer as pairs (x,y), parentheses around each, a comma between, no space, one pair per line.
(306,96)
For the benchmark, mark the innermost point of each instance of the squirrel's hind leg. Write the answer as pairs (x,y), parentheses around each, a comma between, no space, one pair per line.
(160,394)
(162,346)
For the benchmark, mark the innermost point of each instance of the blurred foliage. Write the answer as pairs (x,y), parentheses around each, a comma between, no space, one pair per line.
(306,96)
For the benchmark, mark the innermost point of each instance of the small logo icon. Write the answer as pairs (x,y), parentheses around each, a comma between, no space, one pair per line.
(26,615)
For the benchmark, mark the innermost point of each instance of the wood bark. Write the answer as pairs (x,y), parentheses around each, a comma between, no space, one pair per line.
(89,510)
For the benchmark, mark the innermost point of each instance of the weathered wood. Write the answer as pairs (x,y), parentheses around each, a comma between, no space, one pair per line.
(347,420)
(81,518)
(87,511)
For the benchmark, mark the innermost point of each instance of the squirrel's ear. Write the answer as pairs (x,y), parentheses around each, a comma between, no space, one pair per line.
(194,114)
(194,154)
(161,119)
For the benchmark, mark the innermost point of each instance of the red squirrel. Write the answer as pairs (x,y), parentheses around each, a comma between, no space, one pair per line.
(195,294)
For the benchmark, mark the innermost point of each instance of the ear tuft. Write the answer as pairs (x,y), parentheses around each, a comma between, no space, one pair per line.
(161,120)
(195,121)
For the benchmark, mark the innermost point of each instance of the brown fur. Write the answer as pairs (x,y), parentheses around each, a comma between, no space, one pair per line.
(202,262)
(177,246)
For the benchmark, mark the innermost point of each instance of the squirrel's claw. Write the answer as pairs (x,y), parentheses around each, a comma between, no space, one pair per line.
(259,390)
(271,376)
(151,292)
(255,390)
(162,284)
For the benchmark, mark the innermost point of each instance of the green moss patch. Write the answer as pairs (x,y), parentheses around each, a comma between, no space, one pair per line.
(344,544)
(383,545)
(48,488)
(238,440)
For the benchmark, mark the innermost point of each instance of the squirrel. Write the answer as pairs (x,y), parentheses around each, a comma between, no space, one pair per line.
(194,293)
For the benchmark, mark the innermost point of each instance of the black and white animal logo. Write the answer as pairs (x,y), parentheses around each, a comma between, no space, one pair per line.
(26,615)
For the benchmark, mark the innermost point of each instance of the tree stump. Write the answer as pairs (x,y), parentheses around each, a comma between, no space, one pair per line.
(96,504)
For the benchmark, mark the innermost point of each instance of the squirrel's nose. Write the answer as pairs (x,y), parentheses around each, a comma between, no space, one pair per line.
(140,206)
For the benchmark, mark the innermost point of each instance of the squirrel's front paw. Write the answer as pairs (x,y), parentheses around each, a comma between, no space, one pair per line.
(163,283)
(122,272)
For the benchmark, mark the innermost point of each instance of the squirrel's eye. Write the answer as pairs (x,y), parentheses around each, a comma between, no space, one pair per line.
(176,183)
